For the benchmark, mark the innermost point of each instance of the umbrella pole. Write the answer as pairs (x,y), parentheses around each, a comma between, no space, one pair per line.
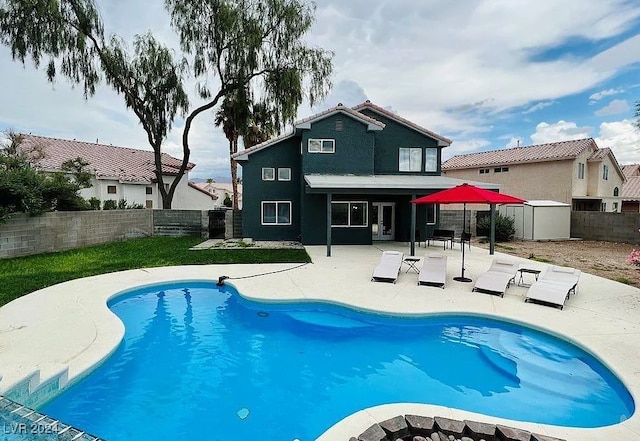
(462,278)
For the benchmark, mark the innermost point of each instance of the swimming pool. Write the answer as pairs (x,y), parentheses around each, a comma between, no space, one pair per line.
(201,361)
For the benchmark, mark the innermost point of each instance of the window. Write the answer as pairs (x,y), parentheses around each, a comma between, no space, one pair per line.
(284,174)
(497,170)
(349,214)
(616,191)
(111,189)
(615,207)
(410,159)
(149,190)
(268,174)
(603,206)
(605,172)
(431,214)
(149,203)
(505,169)
(580,170)
(322,146)
(339,125)
(276,213)
(484,171)
(431,160)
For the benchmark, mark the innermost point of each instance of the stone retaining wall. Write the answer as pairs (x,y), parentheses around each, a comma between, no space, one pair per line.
(421,428)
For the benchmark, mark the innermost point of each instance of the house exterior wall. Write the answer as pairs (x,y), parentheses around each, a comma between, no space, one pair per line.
(286,154)
(578,184)
(353,147)
(530,181)
(606,187)
(396,136)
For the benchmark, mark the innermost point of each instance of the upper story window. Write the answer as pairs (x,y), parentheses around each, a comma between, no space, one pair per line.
(616,191)
(410,159)
(111,189)
(431,160)
(149,190)
(484,171)
(322,146)
(605,172)
(284,174)
(580,170)
(268,174)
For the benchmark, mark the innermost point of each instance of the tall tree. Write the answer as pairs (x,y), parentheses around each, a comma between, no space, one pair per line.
(636,114)
(69,36)
(255,48)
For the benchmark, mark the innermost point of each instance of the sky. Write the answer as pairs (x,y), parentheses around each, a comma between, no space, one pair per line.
(487,74)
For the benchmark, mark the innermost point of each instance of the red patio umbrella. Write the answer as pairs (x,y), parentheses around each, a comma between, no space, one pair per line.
(463,194)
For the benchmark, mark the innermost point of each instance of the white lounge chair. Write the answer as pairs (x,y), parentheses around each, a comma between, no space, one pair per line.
(555,286)
(434,270)
(389,267)
(498,278)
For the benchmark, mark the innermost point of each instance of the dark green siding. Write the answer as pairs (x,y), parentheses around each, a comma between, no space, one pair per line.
(284,154)
(393,137)
(353,147)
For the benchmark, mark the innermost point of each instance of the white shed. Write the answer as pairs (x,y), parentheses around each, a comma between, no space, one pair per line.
(540,220)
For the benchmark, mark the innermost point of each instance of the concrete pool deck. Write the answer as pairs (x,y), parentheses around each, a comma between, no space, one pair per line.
(61,332)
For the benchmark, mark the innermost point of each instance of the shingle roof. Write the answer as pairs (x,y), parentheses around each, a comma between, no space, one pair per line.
(106,161)
(535,153)
(382,111)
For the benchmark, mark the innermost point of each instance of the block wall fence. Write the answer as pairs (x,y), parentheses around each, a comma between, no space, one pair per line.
(24,235)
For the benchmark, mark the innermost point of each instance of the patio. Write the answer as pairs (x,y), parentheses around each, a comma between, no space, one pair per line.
(68,325)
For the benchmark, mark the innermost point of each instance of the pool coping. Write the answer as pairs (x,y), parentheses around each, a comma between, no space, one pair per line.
(63,332)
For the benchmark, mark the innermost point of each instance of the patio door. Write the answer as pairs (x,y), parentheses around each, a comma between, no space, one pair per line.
(383,216)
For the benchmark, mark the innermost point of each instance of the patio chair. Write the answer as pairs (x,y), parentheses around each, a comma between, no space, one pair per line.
(555,286)
(434,270)
(497,278)
(389,267)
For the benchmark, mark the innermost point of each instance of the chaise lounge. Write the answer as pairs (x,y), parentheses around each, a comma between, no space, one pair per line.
(497,278)
(434,270)
(389,267)
(555,286)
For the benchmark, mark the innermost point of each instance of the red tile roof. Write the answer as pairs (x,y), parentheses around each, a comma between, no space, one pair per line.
(631,170)
(631,189)
(536,153)
(382,111)
(106,161)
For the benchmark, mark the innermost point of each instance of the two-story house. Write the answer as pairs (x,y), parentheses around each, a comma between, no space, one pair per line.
(118,172)
(344,176)
(575,172)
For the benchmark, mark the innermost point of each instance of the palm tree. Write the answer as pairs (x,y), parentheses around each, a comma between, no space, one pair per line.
(233,116)
(261,125)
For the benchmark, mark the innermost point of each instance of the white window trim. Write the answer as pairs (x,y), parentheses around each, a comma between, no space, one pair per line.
(321,140)
(262,222)
(366,221)
(420,162)
(581,170)
(435,215)
(288,169)
(273,171)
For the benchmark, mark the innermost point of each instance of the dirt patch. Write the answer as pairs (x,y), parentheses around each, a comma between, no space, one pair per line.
(604,259)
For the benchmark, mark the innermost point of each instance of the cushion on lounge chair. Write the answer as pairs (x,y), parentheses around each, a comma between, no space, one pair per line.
(389,267)
(434,270)
(498,278)
(552,292)
(562,274)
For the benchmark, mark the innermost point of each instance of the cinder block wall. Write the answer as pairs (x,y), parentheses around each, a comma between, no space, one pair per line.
(180,223)
(609,227)
(24,235)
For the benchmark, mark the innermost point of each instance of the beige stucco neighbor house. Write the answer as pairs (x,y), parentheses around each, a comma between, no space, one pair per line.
(118,172)
(576,172)
(631,188)
(219,190)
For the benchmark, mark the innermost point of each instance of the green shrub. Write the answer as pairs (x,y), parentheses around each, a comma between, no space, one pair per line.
(94,203)
(109,204)
(227,201)
(504,227)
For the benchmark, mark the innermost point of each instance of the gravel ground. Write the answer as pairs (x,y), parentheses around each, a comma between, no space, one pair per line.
(604,259)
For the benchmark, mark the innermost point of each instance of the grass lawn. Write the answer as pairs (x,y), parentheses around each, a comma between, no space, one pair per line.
(22,275)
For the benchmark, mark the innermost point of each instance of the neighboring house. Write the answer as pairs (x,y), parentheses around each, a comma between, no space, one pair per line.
(118,172)
(574,172)
(220,190)
(631,188)
(343,176)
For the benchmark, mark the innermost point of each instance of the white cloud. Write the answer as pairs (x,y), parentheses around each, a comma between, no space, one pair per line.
(560,131)
(623,138)
(464,146)
(603,93)
(615,107)
(541,105)
(513,142)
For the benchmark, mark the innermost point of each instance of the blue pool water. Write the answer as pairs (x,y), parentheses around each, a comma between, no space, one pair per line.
(200,362)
